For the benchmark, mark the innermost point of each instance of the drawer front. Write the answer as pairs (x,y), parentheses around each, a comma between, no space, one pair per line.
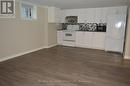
(69,36)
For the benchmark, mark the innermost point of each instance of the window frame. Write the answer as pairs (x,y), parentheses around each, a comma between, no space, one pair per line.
(34,13)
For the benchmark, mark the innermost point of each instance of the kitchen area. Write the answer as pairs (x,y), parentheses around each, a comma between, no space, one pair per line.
(94,28)
(82,35)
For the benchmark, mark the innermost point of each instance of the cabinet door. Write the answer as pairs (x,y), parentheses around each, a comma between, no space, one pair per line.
(82,16)
(53,15)
(57,15)
(117,10)
(79,39)
(99,40)
(88,39)
(62,17)
(100,15)
(104,13)
(97,15)
(90,16)
(60,37)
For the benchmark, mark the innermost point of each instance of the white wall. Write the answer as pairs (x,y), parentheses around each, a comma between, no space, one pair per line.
(18,36)
(52,34)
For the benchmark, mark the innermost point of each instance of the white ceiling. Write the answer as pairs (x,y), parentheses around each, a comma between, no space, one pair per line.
(74,4)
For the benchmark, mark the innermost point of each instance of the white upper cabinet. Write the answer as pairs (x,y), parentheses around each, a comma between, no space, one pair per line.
(117,10)
(103,15)
(100,15)
(97,15)
(63,15)
(93,15)
(82,16)
(54,15)
(90,16)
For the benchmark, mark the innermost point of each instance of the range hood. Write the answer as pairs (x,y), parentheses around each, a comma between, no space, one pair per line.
(71,19)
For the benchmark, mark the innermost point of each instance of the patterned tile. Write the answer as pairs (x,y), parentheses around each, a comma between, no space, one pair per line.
(84,26)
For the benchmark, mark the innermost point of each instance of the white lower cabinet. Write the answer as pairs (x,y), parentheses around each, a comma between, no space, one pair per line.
(80,39)
(88,39)
(60,37)
(94,40)
(98,41)
(84,39)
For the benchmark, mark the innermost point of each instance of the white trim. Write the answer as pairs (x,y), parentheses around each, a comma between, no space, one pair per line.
(126,57)
(34,17)
(20,54)
(51,46)
(27,52)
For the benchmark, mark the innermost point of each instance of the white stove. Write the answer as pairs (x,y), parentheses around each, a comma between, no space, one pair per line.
(69,35)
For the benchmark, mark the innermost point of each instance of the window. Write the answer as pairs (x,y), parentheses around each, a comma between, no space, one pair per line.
(28,11)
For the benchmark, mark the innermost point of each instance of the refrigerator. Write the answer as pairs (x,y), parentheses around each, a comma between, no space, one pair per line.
(115,35)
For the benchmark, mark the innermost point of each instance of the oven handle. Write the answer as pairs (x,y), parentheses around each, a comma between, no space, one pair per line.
(68,34)
(70,40)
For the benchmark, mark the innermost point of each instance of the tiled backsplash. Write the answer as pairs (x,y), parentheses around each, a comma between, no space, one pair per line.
(84,26)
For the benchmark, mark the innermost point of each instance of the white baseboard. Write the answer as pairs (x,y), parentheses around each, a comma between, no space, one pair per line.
(27,52)
(51,46)
(126,57)
(19,54)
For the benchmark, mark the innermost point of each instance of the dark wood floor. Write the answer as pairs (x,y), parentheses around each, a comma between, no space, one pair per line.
(66,66)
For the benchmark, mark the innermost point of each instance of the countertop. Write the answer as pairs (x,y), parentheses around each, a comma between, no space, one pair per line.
(82,31)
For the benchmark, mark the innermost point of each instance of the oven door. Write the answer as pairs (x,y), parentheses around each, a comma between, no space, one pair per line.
(69,36)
